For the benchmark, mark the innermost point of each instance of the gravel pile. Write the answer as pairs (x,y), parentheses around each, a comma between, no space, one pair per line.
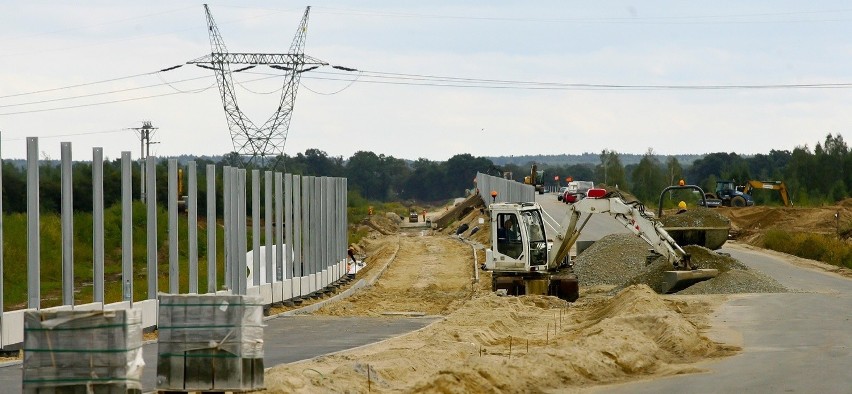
(736,281)
(620,260)
(612,260)
(699,217)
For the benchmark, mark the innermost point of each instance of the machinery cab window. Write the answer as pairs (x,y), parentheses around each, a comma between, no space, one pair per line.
(509,239)
(535,236)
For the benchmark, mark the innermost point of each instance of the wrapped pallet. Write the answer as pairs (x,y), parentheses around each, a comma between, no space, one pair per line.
(210,342)
(83,351)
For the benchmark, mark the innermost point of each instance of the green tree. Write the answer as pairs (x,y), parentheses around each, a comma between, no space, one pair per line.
(611,171)
(648,178)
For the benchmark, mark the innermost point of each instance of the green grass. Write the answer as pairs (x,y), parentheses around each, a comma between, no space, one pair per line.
(15,256)
(812,246)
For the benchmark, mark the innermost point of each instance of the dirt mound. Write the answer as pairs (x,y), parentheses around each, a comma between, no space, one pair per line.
(515,344)
(700,217)
(749,223)
(482,233)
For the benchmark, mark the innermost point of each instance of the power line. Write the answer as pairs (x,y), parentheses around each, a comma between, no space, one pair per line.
(66,135)
(685,19)
(165,83)
(404,79)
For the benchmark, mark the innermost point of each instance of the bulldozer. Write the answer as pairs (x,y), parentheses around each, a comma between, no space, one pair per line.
(522,260)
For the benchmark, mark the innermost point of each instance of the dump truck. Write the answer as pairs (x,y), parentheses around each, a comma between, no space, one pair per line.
(522,261)
(693,228)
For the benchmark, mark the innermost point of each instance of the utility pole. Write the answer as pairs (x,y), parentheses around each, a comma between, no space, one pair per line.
(145,133)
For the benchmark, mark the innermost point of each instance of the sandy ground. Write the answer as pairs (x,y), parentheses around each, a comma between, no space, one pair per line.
(487,343)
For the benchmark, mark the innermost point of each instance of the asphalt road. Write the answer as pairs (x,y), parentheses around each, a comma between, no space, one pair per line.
(286,339)
(797,342)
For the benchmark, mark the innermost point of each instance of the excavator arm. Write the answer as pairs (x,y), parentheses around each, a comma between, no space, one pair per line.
(780,186)
(631,215)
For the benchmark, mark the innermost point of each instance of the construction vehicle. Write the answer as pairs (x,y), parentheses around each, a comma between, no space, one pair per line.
(412,215)
(576,191)
(730,195)
(536,179)
(523,262)
(710,237)
(750,186)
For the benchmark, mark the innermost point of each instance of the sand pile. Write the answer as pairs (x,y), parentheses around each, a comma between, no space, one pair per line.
(515,344)
(700,217)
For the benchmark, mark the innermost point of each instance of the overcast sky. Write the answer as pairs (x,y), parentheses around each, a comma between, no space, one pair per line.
(626,76)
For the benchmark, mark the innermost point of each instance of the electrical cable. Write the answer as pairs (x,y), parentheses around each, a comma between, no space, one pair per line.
(184,80)
(66,135)
(87,105)
(663,20)
(114,91)
(352,82)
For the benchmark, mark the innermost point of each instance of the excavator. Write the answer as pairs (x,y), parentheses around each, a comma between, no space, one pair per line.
(750,186)
(523,262)
(536,179)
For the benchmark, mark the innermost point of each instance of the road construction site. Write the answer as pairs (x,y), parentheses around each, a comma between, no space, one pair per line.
(420,316)
(619,330)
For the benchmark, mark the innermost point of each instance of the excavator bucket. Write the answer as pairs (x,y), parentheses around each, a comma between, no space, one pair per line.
(674,281)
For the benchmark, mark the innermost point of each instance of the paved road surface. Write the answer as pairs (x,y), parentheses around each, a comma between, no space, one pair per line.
(797,342)
(792,343)
(286,339)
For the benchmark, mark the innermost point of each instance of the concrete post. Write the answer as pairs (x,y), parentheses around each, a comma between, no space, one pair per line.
(255,226)
(174,269)
(192,224)
(151,201)
(211,228)
(33,231)
(126,227)
(267,202)
(67,226)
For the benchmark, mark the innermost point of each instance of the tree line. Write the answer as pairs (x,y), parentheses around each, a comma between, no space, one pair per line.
(813,176)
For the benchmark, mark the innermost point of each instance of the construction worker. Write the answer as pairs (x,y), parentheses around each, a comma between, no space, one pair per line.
(681,207)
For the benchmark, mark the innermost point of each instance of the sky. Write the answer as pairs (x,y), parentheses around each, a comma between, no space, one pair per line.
(436,78)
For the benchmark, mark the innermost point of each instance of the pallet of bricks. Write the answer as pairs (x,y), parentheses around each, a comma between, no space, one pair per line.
(210,343)
(82,352)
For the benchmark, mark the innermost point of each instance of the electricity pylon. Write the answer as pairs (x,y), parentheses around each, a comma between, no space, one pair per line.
(258,143)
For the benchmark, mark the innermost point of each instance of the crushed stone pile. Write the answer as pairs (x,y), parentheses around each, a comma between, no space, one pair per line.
(620,260)
(736,281)
(612,260)
(700,217)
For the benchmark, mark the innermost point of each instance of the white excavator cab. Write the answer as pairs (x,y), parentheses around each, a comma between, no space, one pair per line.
(518,232)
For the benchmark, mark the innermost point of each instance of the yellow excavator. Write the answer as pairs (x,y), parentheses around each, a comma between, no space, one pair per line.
(750,186)
(522,261)
(536,179)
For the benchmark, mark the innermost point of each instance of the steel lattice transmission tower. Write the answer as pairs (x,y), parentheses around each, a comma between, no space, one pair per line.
(266,141)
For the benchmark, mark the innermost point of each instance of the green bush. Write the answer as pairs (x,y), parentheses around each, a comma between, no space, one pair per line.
(819,247)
